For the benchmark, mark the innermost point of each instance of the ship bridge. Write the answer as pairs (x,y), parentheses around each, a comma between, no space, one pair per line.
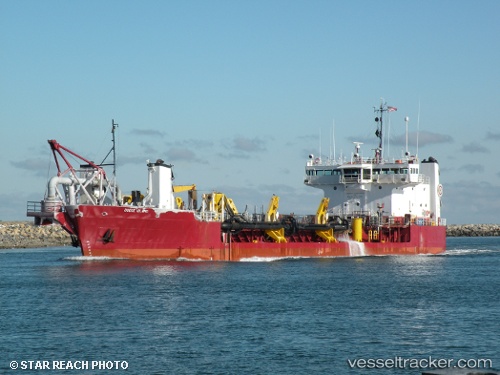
(376,186)
(366,171)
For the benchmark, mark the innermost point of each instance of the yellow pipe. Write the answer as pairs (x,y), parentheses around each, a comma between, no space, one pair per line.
(357,229)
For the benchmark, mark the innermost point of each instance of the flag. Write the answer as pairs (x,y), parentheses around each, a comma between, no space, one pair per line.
(392,109)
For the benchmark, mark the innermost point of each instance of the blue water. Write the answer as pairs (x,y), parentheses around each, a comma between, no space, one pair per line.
(300,316)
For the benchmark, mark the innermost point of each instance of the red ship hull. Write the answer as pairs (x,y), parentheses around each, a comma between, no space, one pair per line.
(146,233)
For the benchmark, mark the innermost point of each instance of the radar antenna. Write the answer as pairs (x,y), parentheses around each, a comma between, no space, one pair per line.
(379,119)
(357,146)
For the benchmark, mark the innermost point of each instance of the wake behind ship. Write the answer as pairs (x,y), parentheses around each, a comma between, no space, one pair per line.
(371,206)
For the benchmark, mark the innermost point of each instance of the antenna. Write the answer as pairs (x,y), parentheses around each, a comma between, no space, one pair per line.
(388,137)
(113,150)
(330,156)
(319,143)
(407,119)
(333,130)
(418,126)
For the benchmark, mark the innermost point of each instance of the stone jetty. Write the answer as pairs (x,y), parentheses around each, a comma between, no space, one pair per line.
(14,235)
(473,230)
(23,234)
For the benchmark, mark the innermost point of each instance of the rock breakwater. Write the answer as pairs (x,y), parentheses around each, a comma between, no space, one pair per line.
(14,235)
(473,230)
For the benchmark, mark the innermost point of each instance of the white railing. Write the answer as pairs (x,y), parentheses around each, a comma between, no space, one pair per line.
(359,160)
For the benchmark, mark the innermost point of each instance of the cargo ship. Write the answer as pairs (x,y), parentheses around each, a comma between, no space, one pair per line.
(371,206)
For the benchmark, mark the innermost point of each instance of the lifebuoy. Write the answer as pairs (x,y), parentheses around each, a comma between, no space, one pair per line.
(440,190)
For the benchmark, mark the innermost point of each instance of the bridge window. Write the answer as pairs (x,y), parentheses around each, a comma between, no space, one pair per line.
(351,172)
(326,172)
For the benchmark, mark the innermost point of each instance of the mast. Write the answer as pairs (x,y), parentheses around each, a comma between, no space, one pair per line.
(114,192)
(113,128)
(380,122)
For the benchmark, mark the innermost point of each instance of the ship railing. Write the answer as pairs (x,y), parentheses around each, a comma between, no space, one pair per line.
(33,207)
(421,221)
(418,220)
(371,219)
(394,220)
(299,219)
(317,161)
(261,218)
(326,162)
(209,216)
(43,212)
(428,221)
(385,178)
(360,213)
(405,220)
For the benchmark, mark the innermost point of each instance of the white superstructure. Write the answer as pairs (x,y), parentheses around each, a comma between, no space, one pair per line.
(376,187)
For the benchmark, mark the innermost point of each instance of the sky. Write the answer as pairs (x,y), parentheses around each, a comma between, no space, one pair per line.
(237,94)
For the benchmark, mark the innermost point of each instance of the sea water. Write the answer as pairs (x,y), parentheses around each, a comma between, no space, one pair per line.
(362,315)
